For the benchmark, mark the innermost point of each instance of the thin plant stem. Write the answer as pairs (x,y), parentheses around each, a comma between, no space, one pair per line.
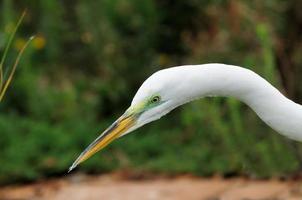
(9,79)
(7,48)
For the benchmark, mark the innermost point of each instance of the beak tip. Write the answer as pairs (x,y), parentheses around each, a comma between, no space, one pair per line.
(74,165)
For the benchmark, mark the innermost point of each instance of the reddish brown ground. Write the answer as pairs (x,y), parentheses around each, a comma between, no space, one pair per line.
(113,187)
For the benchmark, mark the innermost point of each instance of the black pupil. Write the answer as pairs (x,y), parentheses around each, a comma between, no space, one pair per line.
(155,99)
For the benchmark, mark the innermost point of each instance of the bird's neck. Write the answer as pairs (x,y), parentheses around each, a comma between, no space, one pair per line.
(279,112)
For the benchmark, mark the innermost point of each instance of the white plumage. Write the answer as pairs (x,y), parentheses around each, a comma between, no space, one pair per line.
(179,85)
(172,87)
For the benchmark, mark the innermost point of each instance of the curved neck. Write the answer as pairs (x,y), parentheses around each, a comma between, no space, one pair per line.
(279,112)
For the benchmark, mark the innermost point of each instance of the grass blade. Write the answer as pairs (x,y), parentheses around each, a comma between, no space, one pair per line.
(8,46)
(12,72)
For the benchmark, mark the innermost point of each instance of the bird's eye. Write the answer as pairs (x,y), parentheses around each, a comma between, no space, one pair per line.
(155,99)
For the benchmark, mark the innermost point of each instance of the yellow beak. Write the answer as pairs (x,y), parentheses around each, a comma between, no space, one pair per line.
(117,129)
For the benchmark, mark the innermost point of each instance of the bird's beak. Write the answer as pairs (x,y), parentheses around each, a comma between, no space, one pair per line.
(117,129)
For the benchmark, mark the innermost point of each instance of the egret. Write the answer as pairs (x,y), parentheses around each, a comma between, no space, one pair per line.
(169,88)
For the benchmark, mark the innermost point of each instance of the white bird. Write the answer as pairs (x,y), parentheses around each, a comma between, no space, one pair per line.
(172,87)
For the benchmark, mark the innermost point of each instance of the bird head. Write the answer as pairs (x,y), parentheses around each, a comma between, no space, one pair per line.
(157,96)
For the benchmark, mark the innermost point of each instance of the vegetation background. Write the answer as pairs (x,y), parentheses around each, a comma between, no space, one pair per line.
(89,58)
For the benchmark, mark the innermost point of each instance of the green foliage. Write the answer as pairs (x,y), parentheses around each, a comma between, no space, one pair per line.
(7,73)
(89,58)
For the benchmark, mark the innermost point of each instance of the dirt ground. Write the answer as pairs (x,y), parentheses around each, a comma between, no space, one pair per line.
(114,187)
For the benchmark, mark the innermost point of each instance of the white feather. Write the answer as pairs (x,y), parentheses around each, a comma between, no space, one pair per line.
(179,85)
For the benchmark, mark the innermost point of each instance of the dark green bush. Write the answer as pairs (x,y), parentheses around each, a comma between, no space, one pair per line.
(90,57)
